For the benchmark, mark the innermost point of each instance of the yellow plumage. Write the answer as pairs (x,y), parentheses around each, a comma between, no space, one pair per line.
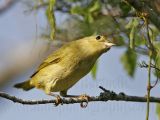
(66,66)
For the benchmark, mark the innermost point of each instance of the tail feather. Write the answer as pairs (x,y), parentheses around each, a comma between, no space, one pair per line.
(24,85)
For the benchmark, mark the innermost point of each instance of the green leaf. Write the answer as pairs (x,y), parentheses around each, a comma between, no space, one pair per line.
(89,18)
(95,6)
(131,37)
(132,26)
(94,70)
(156,58)
(139,40)
(158,110)
(129,60)
(51,18)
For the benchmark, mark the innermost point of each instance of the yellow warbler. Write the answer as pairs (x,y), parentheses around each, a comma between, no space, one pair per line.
(67,65)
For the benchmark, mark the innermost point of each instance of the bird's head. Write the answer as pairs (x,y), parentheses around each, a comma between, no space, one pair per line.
(97,44)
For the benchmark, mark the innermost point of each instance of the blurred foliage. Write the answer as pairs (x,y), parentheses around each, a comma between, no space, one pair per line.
(51,18)
(87,12)
(158,110)
(94,70)
(157,58)
(129,61)
(125,7)
(132,26)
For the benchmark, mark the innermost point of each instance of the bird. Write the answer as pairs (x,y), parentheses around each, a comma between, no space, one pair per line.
(63,68)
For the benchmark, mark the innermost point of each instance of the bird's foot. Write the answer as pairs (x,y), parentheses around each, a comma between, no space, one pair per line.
(58,101)
(85,98)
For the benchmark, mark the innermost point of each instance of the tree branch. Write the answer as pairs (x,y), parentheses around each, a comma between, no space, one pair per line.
(104,96)
(8,4)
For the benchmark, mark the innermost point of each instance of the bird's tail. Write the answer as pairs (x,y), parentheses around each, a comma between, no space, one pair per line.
(24,85)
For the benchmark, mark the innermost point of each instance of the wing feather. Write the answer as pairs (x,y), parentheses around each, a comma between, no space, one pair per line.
(55,57)
(52,59)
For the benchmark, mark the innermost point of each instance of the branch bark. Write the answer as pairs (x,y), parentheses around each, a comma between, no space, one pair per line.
(8,4)
(106,95)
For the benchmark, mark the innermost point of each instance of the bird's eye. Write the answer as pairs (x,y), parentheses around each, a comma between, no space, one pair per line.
(98,37)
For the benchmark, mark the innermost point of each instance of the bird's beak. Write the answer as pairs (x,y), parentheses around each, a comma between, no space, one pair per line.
(109,44)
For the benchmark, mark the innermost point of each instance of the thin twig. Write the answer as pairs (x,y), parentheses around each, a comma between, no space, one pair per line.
(148,88)
(152,86)
(104,96)
(145,65)
(151,49)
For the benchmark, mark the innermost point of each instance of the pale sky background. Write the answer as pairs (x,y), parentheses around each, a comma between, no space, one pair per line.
(17,32)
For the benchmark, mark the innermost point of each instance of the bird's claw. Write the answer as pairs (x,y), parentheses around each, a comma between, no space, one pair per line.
(85,98)
(58,100)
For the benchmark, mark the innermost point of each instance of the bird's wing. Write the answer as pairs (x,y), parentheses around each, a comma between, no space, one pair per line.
(52,59)
(55,57)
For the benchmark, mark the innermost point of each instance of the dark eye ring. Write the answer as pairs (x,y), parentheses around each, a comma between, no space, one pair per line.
(98,37)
